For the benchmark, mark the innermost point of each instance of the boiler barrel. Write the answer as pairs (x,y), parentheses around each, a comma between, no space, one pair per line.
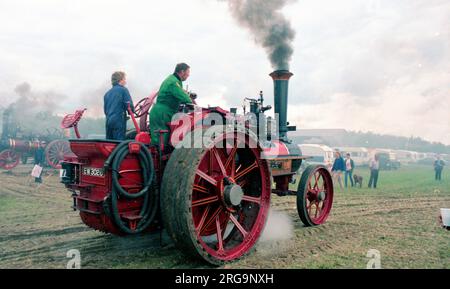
(21,145)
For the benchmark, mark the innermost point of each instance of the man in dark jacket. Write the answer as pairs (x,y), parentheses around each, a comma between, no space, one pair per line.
(438,167)
(116,102)
(338,167)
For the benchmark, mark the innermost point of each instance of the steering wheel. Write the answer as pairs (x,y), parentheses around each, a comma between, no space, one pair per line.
(142,107)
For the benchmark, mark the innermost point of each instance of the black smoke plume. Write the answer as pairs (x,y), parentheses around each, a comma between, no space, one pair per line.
(269,27)
(33,113)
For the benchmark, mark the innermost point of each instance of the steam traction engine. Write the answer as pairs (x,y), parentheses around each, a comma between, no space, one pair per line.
(211,193)
(14,146)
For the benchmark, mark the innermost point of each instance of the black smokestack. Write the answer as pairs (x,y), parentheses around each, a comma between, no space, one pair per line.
(281,85)
(271,30)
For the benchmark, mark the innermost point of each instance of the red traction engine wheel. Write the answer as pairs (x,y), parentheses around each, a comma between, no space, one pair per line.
(55,152)
(315,195)
(9,159)
(215,198)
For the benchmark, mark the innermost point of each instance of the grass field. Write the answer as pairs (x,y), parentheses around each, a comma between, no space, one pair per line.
(399,219)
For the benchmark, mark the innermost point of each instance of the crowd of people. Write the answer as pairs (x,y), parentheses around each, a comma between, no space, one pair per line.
(343,169)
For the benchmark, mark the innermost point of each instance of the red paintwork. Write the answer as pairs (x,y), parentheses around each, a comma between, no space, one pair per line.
(191,121)
(24,146)
(143,137)
(94,189)
(278,148)
(133,118)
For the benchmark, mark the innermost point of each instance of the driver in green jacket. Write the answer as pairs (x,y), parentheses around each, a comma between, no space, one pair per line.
(171,94)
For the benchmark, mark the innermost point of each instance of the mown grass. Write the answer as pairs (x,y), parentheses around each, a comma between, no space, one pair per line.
(399,219)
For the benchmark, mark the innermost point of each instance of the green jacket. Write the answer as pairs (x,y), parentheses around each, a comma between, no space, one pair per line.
(170,96)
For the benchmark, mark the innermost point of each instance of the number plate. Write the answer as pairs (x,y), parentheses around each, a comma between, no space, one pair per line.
(94,172)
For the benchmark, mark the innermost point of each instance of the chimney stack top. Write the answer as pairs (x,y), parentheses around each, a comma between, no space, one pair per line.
(281,75)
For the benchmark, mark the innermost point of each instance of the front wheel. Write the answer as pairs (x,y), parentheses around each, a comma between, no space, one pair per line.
(215,199)
(315,195)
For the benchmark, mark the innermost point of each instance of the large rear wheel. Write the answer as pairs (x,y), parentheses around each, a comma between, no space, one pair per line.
(215,199)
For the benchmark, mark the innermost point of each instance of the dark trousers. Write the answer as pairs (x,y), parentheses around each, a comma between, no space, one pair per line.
(438,174)
(373,178)
(349,174)
(115,132)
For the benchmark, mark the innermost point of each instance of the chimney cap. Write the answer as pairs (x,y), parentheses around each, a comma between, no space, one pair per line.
(281,74)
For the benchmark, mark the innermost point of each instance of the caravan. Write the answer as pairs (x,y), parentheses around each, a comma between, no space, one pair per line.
(406,157)
(360,155)
(388,158)
(321,154)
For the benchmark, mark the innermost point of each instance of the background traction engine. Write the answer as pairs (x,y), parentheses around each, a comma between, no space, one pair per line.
(13,147)
(211,193)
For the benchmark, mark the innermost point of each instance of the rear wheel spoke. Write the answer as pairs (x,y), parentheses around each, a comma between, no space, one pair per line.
(219,234)
(242,183)
(202,220)
(256,200)
(230,159)
(206,177)
(205,201)
(201,189)
(246,170)
(211,219)
(219,161)
(239,226)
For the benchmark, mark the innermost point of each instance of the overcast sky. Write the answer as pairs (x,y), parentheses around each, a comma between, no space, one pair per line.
(381,66)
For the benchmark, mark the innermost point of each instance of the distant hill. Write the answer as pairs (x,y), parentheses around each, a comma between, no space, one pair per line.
(341,137)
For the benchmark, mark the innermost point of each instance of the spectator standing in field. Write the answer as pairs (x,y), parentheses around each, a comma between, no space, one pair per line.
(349,166)
(338,167)
(374,169)
(39,159)
(438,167)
